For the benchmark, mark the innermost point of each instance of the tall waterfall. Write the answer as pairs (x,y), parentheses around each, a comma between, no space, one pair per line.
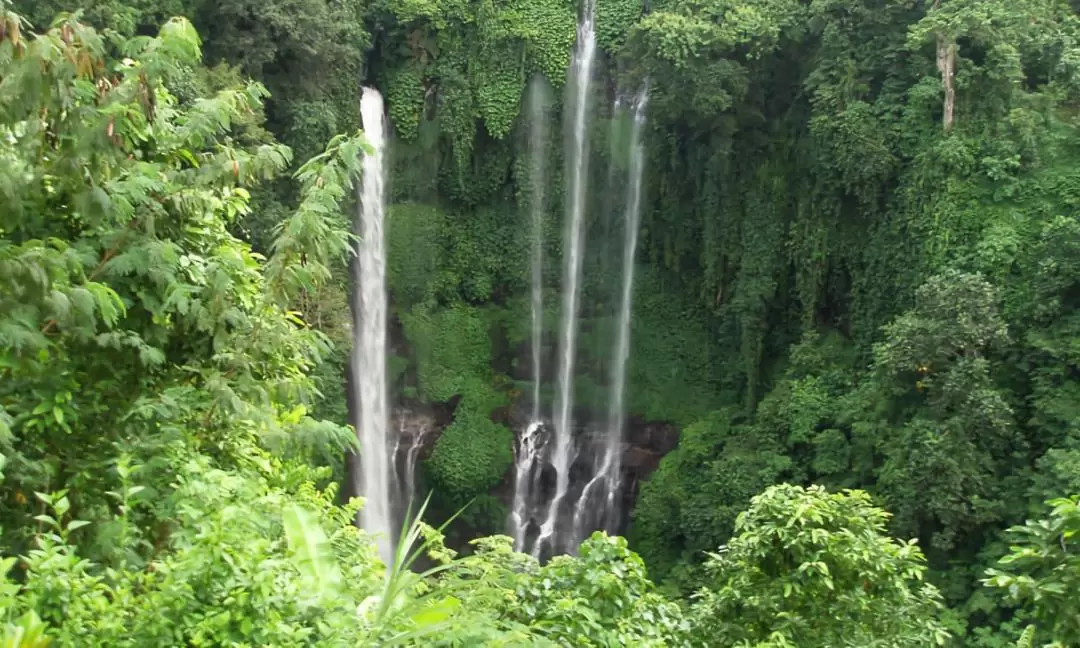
(369,332)
(527,463)
(602,490)
(563,453)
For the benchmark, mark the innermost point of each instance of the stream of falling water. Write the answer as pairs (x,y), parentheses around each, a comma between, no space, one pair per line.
(538,101)
(606,481)
(562,455)
(369,332)
(416,445)
(528,459)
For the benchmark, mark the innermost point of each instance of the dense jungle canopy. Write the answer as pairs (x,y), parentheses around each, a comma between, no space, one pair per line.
(857,301)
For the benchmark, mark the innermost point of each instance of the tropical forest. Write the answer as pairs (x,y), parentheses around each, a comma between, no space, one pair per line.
(577,323)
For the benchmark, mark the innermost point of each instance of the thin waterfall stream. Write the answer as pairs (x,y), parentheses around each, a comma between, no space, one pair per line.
(529,458)
(369,332)
(562,455)
(603,489)
(412,456)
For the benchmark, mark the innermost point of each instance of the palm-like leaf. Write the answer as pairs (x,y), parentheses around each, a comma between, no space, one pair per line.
(311,552)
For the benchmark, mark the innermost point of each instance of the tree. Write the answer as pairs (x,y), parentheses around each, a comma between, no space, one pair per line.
(1041,573)
(132,317)
(690,504)
(949,432)
(601,597)
(148,358)
(809,568)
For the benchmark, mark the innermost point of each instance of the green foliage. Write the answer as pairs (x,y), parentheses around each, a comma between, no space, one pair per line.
(405,96)
(690,504)
(1041,573)
(599,598)
(453,351)
(932,365)
(610,600)
(146,358)
(415,243)
(126,17)
(476,57)
(453,356)
(810,568)
(470,457)
(669,379)
(309,547)
(891,303)
(614,21)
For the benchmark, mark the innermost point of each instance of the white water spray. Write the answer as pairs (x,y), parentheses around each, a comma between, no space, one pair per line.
(369,332)
(562,455)
(526,468)
(606,480)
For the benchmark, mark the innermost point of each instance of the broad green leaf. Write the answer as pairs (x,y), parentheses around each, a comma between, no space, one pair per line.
(311,551)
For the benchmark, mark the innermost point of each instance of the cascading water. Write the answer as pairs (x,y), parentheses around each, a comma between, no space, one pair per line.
(563,452)
(528,459)
(527,465)
(369,332)
(396,474)
(603,488)
(412,455)
(538,149)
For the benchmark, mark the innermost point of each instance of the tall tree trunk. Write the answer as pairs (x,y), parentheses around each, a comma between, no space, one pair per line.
(946,65)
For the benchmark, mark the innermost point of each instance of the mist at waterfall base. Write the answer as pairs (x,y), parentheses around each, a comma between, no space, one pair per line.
(567,478)
(547,521)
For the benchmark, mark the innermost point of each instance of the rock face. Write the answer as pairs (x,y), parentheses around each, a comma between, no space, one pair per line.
(645,443)
(418,427)
(420,424)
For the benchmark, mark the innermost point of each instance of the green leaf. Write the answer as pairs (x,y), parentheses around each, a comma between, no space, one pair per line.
(436,612)
(311,552)
(109,304)
(47,519)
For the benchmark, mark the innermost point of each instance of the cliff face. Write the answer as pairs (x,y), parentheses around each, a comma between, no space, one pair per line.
(415,429)
(645,443)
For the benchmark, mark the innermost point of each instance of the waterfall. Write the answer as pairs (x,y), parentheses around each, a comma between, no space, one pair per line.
(538,177)
(528,457)
(526,468)
(369,333)
(605,482)
(412,455)
(562,454)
